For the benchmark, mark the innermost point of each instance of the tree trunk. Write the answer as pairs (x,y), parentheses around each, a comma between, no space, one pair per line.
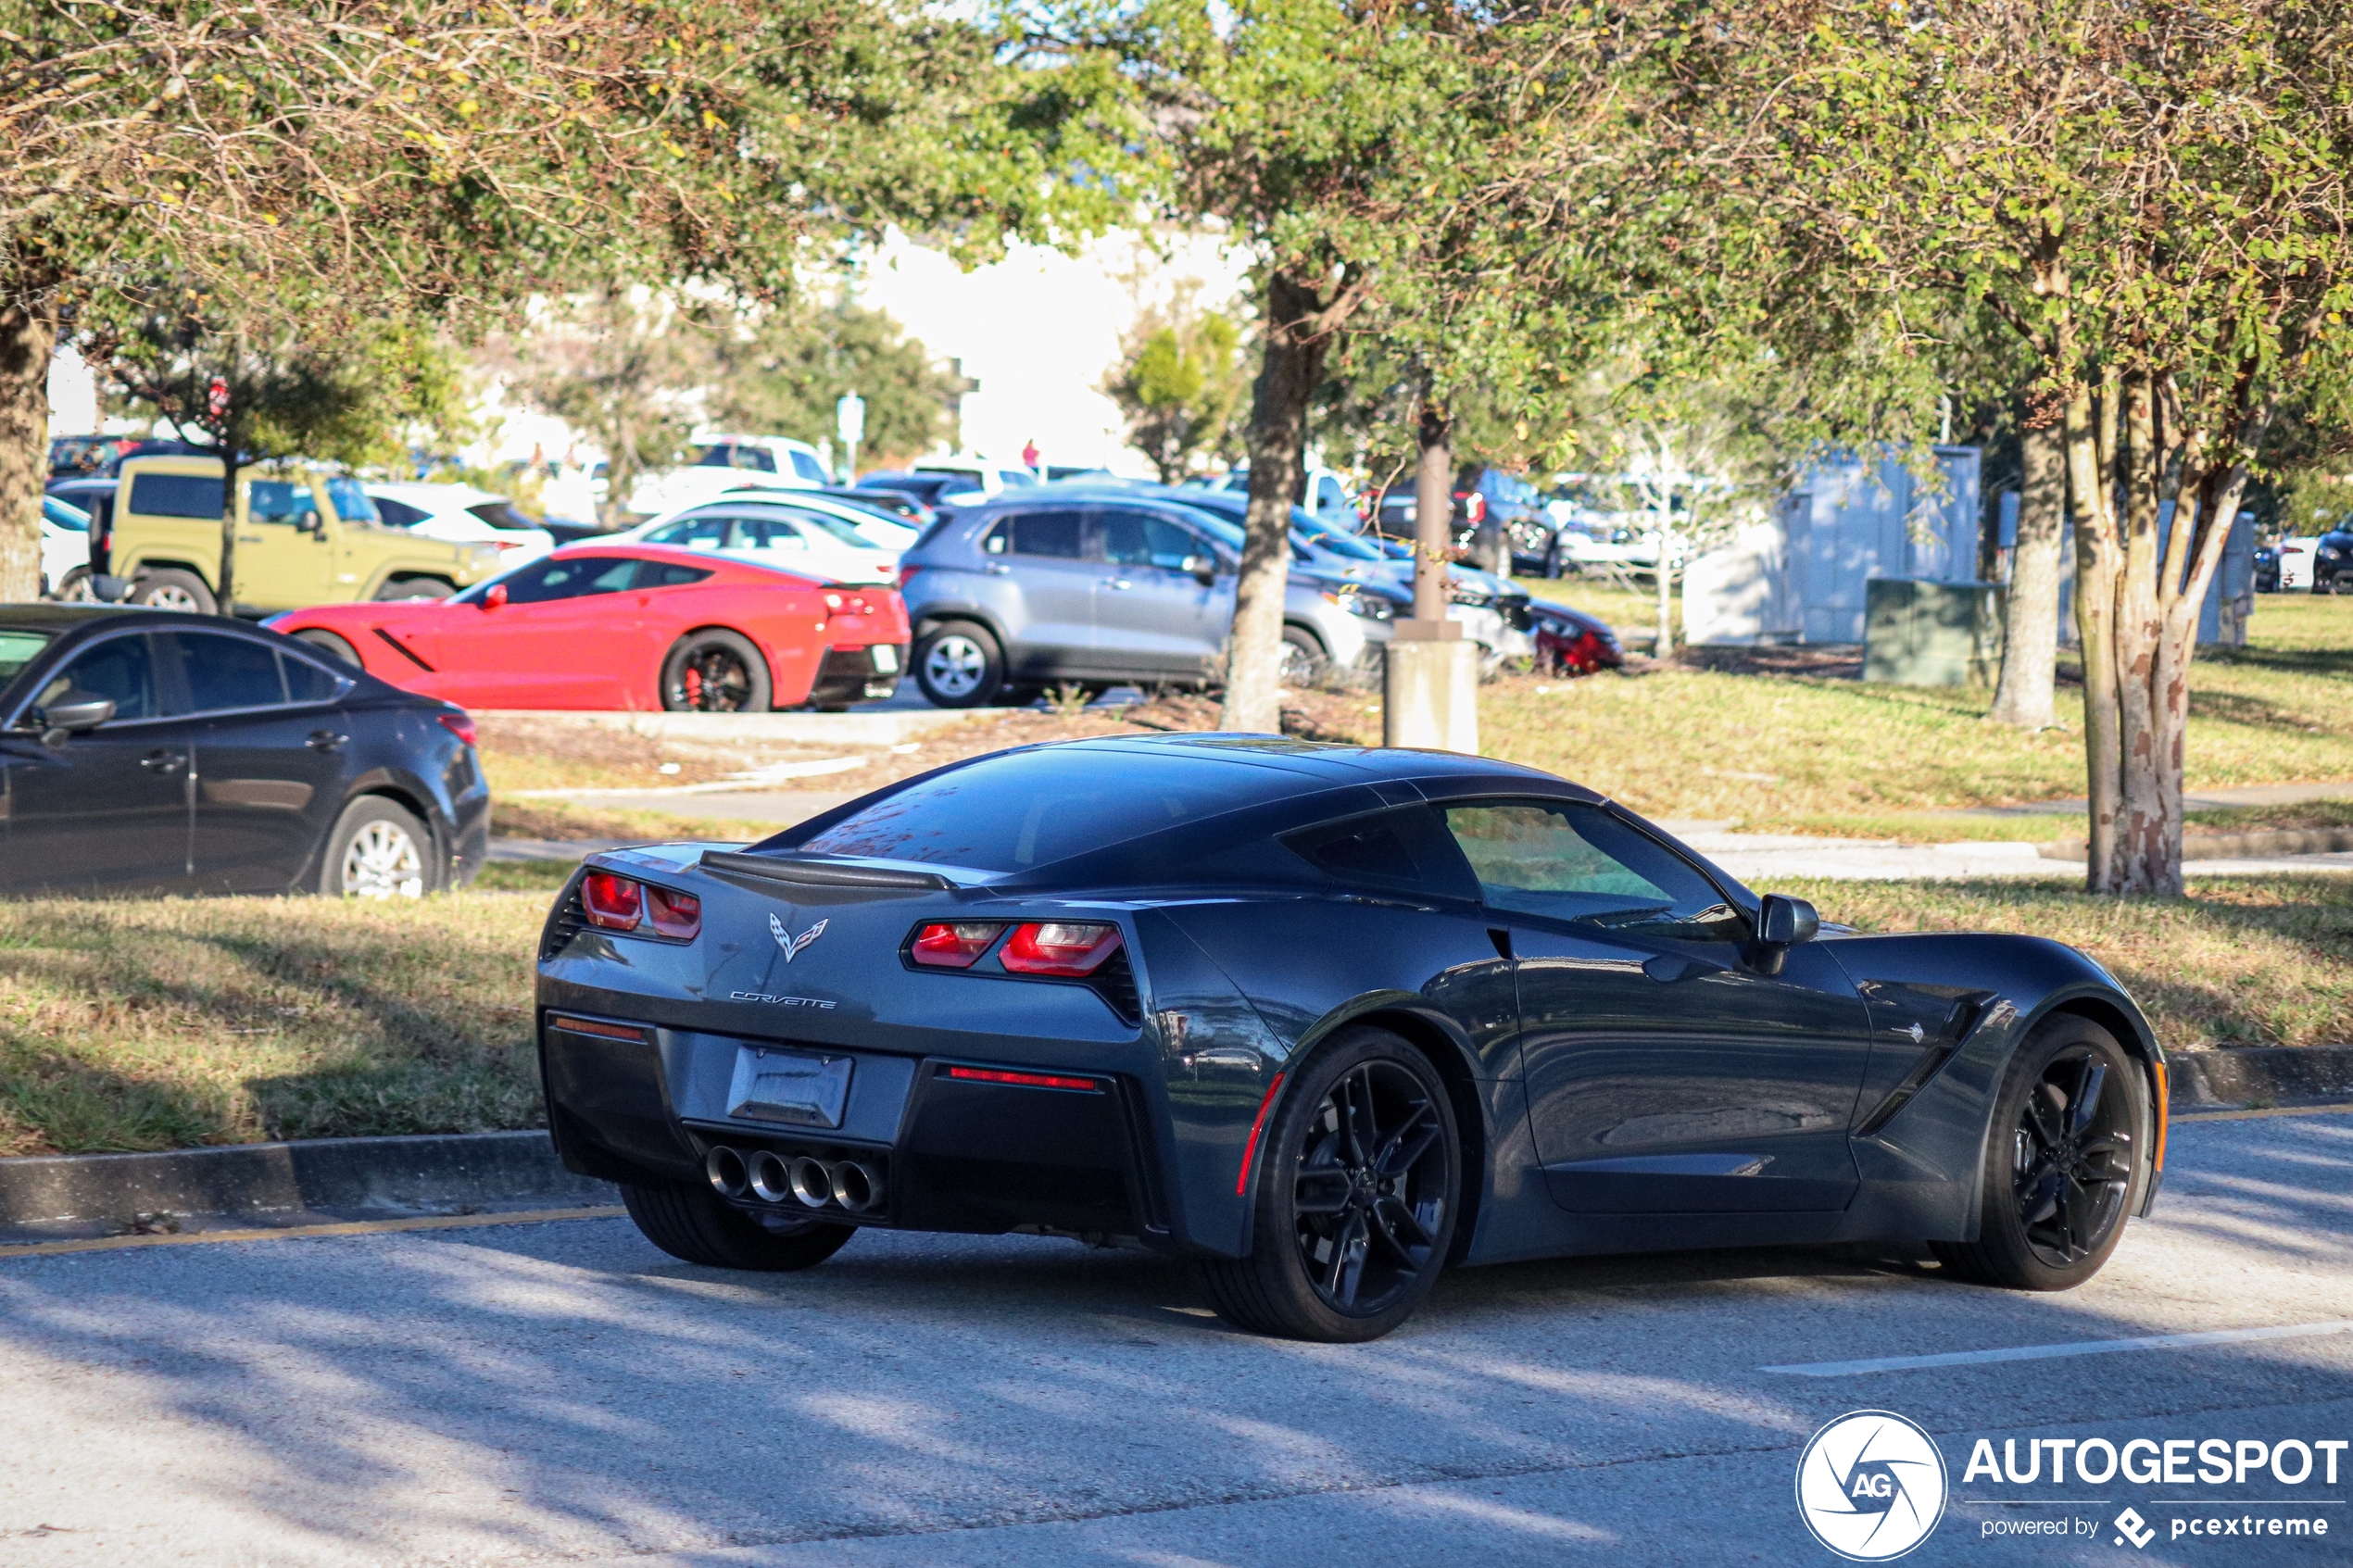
(225,593)
(1662,643)
(2030,611)
(28,336)
(2142,830)
(1433,509)
(2095,572)
(1287,378)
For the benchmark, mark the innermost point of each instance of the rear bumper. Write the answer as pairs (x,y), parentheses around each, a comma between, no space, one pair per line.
(951,1147)
(863,675)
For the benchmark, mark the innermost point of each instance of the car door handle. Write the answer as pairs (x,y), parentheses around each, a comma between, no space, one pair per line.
(325,740)
(1119,582)
(164,762)
(999,569)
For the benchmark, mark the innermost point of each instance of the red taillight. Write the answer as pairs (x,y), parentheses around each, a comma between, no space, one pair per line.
(619,903)
(1024,1080)
(613,902)
(459,724)
(1475,508)
(906,569)
(591,1026)
(953,944)
(674,914)
(1053,947)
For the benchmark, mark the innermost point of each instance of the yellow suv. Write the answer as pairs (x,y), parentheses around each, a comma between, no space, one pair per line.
(303,538)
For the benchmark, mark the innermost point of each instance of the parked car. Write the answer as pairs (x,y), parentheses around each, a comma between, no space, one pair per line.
(1528,530)
(1104,588)
(64,550)
(462,514)
(632,627)
(927,488)
(1569,642)
(808,534)
(303,537)
(143,751)
(2297,557)
(1493,611)
(896,505)
(2332,561)
(1325,1022)
(983,476)
(1325,494)
(732,462)
(2267,569)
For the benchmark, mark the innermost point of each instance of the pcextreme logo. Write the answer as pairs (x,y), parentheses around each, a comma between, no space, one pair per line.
(1871,1486)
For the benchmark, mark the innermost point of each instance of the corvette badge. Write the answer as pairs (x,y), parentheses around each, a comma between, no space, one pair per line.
(794,945)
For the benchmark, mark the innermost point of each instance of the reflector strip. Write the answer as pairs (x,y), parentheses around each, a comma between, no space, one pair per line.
(591,1027)
(2164,1104)
(1241,1183)
(1025,1080)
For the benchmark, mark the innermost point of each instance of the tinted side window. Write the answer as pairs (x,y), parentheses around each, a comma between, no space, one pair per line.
(765,533)
(810,469)
(571,579)
(1404,850)
(1578,862)
(1057,535)
(225,672)
(694,533)
(1147,539)
(661,574)
(307,681)
(175,494)
(119,668)
(399,514)
(753,458)
(719,456)
(278,500)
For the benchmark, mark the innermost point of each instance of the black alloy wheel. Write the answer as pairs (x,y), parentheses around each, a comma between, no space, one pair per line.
(2060,1173)
(1356,1197)
(714,672)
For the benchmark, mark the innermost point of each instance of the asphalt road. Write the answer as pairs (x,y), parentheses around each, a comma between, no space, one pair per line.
(562,1392)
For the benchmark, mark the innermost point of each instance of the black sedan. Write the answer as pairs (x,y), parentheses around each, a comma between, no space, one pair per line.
(144,751)
(1325,1018)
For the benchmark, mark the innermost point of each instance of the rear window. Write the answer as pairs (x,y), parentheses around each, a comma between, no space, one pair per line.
(17,648)
(175,494)
(1029,809)
(502,514)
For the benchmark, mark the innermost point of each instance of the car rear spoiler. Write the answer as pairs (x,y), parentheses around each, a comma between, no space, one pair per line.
(822,874)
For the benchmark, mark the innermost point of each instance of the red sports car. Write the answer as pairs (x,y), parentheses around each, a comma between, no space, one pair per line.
(634,627)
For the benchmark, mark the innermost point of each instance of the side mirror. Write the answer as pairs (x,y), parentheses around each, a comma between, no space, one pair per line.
(1783,922)
(1203,568)
(78,712)
(494,596)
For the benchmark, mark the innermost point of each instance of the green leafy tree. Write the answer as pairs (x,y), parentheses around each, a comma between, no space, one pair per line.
(2151,195)
(364,159)
(1180,382)
(783,371)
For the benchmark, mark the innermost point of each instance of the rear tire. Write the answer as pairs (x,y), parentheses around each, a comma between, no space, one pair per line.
(331,645)
(173,589)
(692,1225)
(959,664)
(76,589)
(379,851)
(2062,1163)
(1358,1181)
(715,671)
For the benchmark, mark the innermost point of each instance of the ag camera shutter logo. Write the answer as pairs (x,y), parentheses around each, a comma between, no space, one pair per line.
(1871,1486)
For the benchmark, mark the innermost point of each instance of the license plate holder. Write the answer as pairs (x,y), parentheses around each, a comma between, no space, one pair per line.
(798,1088)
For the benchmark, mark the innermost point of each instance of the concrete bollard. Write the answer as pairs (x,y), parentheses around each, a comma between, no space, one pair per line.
(1430,688)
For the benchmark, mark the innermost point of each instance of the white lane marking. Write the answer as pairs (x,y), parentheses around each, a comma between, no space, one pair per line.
(2052,1352)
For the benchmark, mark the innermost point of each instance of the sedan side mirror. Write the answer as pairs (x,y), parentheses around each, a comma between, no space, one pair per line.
(1203,568)
(494,597)
(78,712)
(1783,922)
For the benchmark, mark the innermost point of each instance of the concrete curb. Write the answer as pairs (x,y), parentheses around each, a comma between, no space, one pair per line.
(465,1168)
(2231,845)
(324,1173)
(2268,1074)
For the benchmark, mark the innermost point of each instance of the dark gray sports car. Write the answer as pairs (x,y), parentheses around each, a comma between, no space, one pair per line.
(1325,1019)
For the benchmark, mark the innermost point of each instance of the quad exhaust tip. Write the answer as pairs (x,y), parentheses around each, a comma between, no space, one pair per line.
(772,1178)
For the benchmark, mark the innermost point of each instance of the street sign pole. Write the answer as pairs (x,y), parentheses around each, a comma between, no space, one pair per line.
(850,423)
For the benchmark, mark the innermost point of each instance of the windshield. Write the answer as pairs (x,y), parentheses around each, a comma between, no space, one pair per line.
(350,502)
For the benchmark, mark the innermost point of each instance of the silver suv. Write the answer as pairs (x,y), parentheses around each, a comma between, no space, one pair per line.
(1106,587)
